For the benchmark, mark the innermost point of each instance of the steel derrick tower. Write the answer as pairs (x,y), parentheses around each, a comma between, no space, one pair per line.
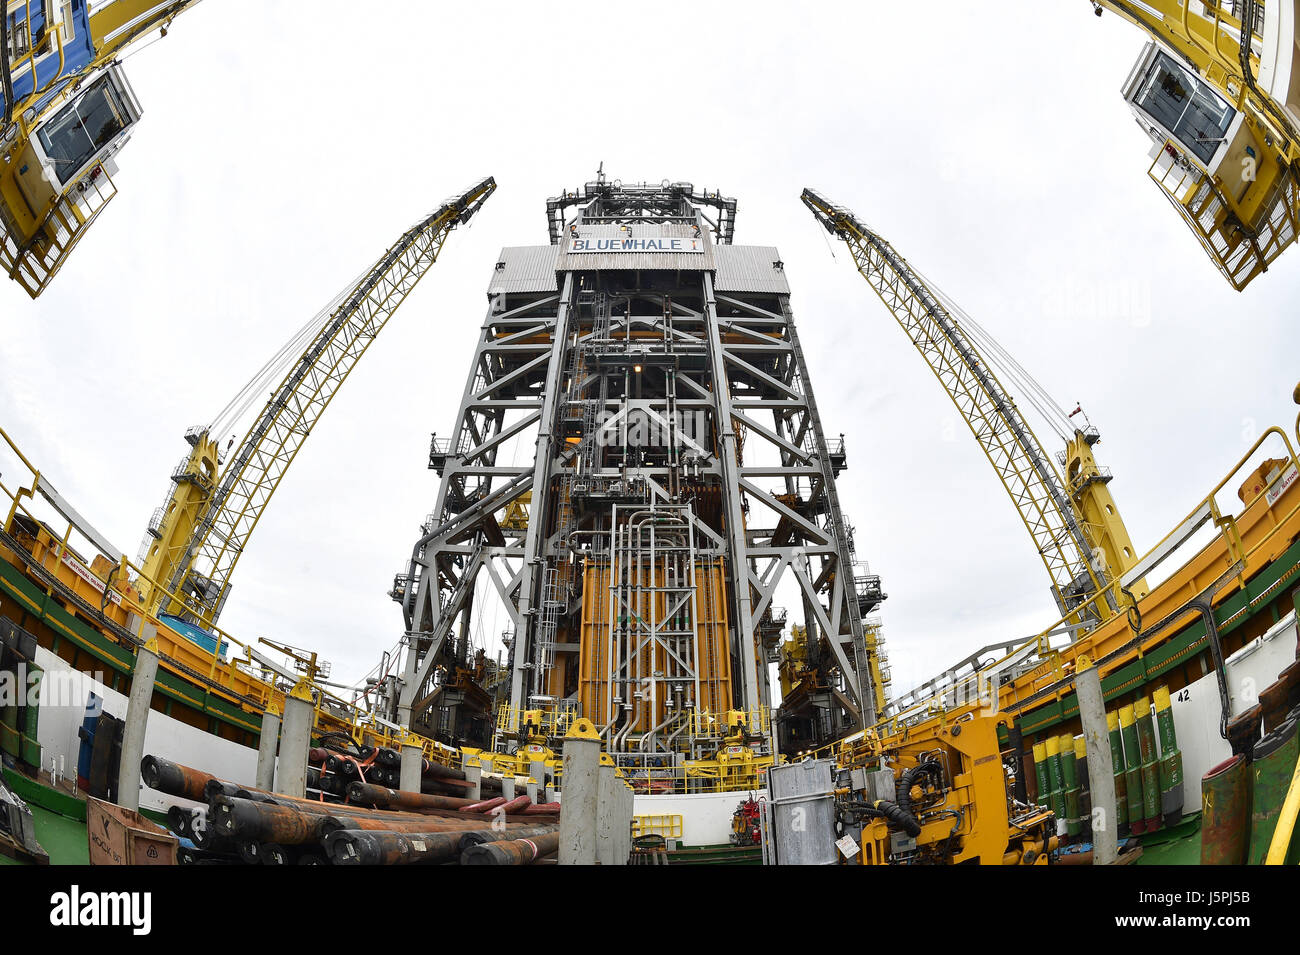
(680,473)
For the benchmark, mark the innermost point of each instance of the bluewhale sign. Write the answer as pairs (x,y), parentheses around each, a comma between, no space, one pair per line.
(649,244)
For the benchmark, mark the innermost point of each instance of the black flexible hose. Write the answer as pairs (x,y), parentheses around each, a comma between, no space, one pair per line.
(896,815)
(903,790)
(5,78)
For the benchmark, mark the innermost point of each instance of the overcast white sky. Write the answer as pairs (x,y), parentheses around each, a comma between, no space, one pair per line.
(285,145)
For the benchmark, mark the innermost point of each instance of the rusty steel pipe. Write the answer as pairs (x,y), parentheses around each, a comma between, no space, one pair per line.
(477,837)
(174,779)
(276,854)
(542,809)
(264,821)
(516,805)
(441,772)
(178,821)
(386,847)
(486,805)
(512,852)
(367,795)
(445,787)
(417,824)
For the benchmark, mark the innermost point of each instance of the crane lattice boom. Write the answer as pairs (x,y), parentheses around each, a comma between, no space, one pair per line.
(202,576)
(1023,467)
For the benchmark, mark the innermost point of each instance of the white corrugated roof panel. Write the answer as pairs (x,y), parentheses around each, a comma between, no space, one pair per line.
(524,268)
(749,268)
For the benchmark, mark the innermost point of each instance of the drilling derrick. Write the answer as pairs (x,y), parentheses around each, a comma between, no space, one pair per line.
(638,382)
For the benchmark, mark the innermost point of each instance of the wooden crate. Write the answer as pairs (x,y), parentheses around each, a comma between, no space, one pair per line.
(119,836)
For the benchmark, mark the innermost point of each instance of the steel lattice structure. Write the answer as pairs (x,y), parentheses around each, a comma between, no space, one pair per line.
(679,474)
(1023,467)
(201,577)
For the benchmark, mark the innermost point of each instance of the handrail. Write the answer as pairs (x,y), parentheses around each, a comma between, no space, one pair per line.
(55,37)
(128,602)
(1281,844)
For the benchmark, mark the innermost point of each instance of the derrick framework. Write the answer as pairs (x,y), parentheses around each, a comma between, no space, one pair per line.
(636,467)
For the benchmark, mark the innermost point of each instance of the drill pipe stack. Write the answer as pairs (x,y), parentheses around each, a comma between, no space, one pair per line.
(358,847)
(376,826)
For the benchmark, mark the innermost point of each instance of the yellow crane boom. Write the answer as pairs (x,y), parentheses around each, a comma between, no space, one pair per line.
(204,528)
(1068,544)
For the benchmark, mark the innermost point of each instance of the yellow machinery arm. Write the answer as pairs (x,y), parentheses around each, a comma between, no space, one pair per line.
(1219,93)
(205,526)
(1024,468)
(117,24)
(66,109)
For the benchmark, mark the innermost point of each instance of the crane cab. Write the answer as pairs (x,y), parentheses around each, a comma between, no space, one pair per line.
(1217,159)
(57,178)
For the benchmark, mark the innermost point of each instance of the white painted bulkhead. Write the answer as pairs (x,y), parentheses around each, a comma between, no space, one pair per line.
(65,693)
(706,817)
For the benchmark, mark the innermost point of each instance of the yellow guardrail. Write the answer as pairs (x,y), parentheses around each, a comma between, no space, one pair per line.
(1282,835)
(234,678)
(969,688)
(34,53)
(668,826)
(555,720)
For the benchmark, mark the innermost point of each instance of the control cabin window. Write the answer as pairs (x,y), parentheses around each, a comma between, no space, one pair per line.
(81,129)
(1185,106)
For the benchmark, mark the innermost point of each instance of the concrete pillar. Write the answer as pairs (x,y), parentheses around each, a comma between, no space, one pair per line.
(508,787)
(613,815)
(295,740)
(1101,774)
(578,808)
(137,718)
(607,812)
(531,788)
(629,812)
(474,775)
(412,765)
(267,744)
(537,769)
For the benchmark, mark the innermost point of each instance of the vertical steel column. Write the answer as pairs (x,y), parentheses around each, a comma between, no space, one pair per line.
(735,516)
(866,694)
(541,506)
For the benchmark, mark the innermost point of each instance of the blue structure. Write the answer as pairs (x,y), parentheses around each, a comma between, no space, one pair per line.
(195,634)
(78,53)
